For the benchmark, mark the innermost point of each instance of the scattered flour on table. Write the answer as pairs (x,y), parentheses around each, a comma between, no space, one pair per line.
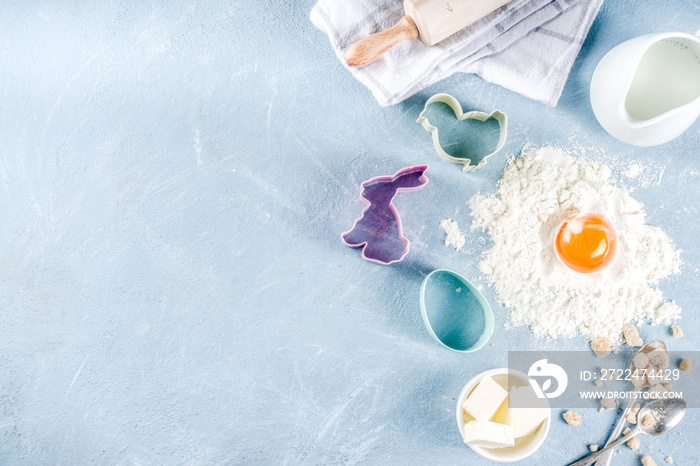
(643,175)
(454,237)
(634,170)
(537,191)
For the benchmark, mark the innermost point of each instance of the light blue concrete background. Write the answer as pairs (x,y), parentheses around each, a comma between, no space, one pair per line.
(173,179)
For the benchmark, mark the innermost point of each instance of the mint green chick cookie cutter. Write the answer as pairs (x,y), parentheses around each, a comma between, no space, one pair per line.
(460,115)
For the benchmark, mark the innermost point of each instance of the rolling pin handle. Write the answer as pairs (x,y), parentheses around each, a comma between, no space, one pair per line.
(370,48)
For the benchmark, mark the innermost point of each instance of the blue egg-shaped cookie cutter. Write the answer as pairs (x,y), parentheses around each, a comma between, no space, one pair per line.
(455,312)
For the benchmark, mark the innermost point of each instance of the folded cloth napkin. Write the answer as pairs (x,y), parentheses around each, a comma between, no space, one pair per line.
(527,46)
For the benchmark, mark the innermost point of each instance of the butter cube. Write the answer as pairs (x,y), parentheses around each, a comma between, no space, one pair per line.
(485,399)
(528,416)
(488,434)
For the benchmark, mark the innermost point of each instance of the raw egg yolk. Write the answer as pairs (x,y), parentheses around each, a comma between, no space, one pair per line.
(586,242)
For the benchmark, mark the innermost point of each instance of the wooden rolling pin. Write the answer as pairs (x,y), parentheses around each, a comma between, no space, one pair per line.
(429,20)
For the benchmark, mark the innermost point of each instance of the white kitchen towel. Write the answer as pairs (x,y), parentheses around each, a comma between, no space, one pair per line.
(527,46)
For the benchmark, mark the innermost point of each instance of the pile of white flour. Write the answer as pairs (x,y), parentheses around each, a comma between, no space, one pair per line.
(537,192)
(453,237)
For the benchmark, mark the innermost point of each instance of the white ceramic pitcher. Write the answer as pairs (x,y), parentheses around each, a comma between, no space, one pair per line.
(646,91)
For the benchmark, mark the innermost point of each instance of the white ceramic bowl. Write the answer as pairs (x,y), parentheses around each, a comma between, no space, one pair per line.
(523,447)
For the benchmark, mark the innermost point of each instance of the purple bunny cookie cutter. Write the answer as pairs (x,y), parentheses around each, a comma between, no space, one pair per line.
(378,231)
